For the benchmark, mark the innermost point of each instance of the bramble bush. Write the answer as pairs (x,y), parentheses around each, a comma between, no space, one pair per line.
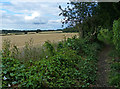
(65,69)
(73,64)
(82,46)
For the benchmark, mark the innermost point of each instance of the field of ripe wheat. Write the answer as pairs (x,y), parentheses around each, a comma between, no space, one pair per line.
(19,40)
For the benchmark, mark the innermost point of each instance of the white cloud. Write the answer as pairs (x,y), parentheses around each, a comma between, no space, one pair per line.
(25,14)
(33,16)
(55,21)
(1,11)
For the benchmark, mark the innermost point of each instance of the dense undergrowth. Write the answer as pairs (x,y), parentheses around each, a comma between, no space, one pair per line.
(112,38)
(115,65)
(71,63)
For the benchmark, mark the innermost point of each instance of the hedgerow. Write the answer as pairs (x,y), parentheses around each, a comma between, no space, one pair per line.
(73,64)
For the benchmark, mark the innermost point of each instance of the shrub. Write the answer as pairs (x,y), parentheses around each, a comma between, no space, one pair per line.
(105,36)
(114,79)
(75,44)
(13,73)
(49,48)
(6,48)
(116,66)
(116,36)
(82,46)
(72,65)
(64,69)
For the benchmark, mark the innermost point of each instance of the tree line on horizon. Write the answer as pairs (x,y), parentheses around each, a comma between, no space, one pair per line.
(26,31)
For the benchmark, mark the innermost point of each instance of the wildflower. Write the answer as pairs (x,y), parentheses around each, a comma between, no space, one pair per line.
(46,56)
(4,78)
(9,85)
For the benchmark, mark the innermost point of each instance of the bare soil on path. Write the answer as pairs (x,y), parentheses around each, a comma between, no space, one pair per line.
(103,67)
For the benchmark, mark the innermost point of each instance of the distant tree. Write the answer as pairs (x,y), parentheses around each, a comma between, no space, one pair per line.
(25,32)
(38,30)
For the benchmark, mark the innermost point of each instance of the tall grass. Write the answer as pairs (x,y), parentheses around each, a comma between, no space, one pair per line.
(29,51)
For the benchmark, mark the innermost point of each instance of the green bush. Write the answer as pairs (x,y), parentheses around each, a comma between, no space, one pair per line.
(12,72)
(105,36)
(116,36)
(74,44)
(116,66)
(49,48)
(114,79)
(6,48)
(65,69)
(82,46)
(73,64)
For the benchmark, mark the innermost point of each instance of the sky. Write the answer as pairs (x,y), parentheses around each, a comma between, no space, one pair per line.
(31,14)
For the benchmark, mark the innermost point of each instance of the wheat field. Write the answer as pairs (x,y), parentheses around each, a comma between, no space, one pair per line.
(38,39)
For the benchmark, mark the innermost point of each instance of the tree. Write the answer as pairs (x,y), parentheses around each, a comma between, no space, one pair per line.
(107,13)
(88,16)
(78,14)
(38,30)
(25,32)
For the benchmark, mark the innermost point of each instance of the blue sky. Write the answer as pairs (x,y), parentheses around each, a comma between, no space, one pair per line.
(31,14)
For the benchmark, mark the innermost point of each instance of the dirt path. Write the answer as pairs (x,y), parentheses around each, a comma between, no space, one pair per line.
(103,67)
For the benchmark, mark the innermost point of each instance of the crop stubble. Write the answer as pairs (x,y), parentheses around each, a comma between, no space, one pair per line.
(20,40)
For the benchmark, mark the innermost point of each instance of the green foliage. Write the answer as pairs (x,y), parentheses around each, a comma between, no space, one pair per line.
(14,51)
(61,69)
(66,67)
(116,36)
(70,29)
(82,46)
(116,66)
(12,74)
(82,9)
(19,75)
(73,43)
(105,36)
(49,48)
(6,48)
(90,15)
(28,49)
(107,13)
(28,52)
(114,79)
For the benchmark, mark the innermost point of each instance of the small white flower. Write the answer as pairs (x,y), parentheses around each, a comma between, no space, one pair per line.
(4,78)
(9,85)
(46,56)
